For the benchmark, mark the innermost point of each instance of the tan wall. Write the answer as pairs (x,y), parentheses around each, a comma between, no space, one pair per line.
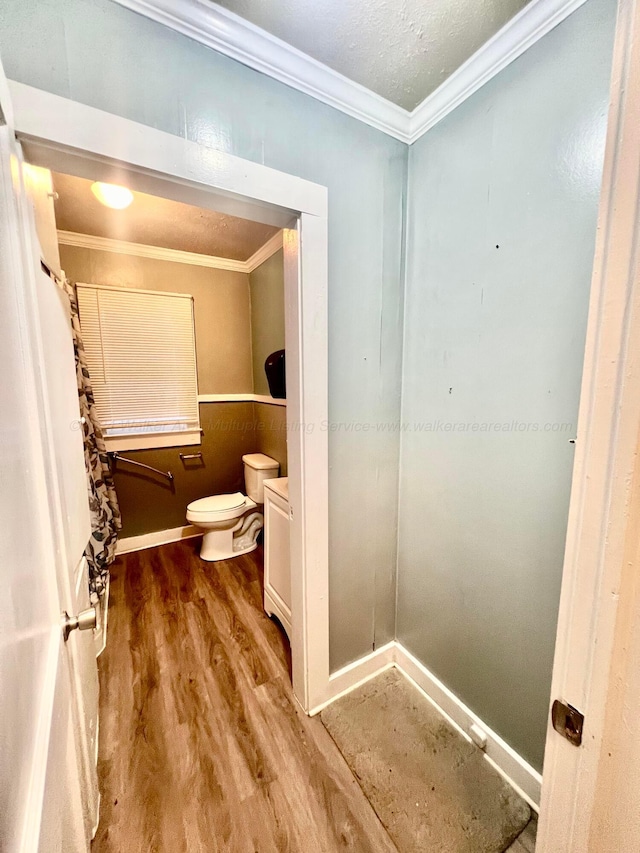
(222,311)
(267,315)
(149,502)
(222,308)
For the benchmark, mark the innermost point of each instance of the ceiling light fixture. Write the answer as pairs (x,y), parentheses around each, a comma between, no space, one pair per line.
(111,195)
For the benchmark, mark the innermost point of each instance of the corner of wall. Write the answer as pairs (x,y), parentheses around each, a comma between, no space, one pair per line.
(404,280)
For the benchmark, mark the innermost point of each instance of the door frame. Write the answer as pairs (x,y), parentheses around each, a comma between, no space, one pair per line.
(588,792)
(67,136)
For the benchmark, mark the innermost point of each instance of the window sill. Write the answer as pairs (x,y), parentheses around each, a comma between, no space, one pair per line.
(152,441)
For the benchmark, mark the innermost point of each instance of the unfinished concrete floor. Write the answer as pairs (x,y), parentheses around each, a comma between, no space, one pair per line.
(431,788)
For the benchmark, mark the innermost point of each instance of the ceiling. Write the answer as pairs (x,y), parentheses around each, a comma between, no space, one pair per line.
(156,221)
(400,49)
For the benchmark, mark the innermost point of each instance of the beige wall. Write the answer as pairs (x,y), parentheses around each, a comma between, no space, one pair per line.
(267,315)
(222,308)
(149,502)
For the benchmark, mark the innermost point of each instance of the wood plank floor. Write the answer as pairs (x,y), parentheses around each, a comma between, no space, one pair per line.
(202,745)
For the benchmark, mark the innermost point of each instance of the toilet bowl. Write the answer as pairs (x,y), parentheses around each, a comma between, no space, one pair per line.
(231,523)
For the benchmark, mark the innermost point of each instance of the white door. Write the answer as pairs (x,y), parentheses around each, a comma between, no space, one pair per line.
(68,484)
(591,794)
(48,688)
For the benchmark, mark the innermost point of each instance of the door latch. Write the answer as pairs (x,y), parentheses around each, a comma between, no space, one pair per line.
(84,621)
(567,721)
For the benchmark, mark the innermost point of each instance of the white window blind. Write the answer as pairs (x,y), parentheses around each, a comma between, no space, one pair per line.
(140,348)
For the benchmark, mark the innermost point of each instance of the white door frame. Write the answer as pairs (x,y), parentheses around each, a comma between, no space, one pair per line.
(590,794)
(68,136)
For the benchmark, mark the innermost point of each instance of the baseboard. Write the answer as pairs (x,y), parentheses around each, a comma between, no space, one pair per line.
(520,775)
(101,635)
(354,674)
(158,537)
(514,769)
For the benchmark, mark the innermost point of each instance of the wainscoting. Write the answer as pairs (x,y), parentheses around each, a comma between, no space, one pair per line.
(151,505)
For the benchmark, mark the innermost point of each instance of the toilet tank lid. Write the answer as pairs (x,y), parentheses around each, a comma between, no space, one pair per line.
(217,503)
(259,461)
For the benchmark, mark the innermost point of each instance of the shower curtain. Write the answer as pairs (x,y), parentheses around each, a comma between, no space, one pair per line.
(103,502)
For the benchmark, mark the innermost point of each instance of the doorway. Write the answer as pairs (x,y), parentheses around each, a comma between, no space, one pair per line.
(88,143)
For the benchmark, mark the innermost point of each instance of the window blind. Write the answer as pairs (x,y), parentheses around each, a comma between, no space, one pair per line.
(140,349)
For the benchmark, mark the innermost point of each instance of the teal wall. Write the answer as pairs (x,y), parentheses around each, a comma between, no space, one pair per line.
(101,54)
(495,336)
(266,284)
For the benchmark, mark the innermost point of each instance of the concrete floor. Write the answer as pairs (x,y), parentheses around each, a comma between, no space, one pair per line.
(429,786)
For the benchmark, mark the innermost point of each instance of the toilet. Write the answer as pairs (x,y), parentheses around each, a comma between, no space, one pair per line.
(231,523)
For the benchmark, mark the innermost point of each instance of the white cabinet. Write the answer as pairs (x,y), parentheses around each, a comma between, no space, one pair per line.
(277,569)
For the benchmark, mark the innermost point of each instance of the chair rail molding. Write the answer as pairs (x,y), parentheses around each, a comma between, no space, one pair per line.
(233,36)
(247,397)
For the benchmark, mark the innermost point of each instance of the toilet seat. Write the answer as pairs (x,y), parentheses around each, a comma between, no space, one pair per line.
(218,508)
(217,503)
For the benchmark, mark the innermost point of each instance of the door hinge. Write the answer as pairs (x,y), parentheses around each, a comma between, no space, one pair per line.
(567,721)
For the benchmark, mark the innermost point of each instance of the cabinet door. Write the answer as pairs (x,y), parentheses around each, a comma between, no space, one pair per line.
(278,570)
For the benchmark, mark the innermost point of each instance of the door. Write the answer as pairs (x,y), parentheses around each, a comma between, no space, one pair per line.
(590,792)
(48,690)
(68,480)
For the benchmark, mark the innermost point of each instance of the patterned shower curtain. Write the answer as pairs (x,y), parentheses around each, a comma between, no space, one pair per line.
(103,502)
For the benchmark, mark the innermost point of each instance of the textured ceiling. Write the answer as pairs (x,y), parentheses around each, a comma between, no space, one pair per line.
(157,221)
(401,49)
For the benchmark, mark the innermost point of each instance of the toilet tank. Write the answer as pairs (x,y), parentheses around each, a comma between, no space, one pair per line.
(257,469)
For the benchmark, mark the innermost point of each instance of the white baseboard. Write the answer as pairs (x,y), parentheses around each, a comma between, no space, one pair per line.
(514,769)
(158,537)
(520,775)
(354,674)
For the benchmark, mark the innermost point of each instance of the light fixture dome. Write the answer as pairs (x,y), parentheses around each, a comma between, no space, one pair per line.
(112,195)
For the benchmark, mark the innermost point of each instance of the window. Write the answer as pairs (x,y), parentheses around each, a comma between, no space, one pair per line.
(140,348)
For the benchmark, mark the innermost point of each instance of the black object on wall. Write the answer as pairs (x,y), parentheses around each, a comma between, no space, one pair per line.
(274,368)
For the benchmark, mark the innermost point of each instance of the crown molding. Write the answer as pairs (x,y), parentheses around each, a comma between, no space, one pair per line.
(263,254)
(526,28)
(231,35)
(227,33)
(140,250)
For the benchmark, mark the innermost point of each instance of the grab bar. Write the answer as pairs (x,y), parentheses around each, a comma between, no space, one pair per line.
(187,456)
(117,458)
